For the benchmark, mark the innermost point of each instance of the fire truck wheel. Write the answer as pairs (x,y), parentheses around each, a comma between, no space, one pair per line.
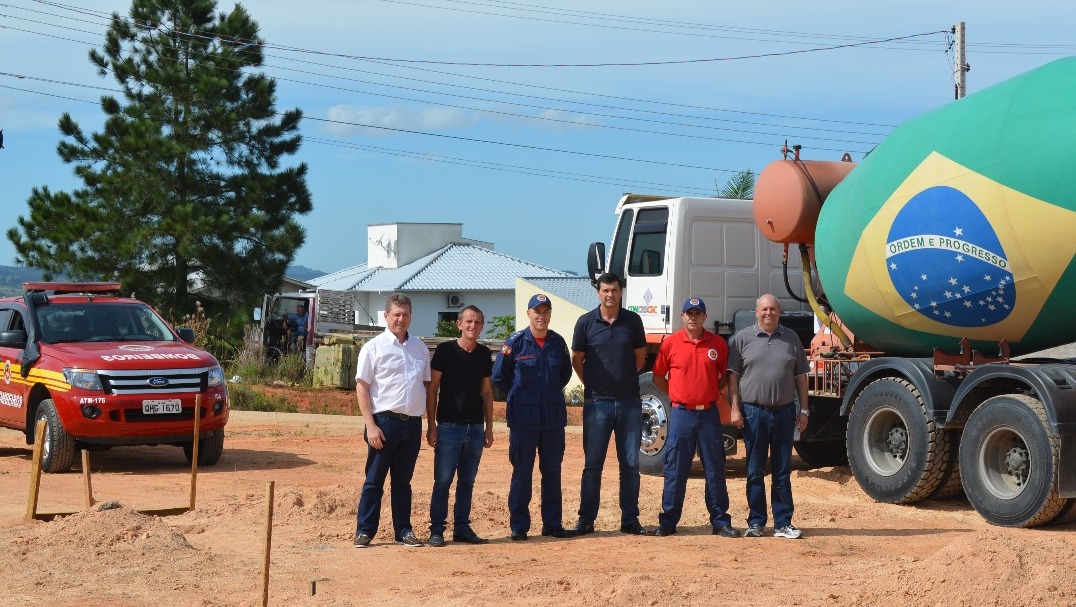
(58,448)
(210,448)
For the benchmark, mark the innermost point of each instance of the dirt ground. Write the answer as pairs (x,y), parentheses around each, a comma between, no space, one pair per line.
(854,551)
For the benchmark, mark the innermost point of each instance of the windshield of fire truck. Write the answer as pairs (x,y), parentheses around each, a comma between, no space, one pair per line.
(94,321)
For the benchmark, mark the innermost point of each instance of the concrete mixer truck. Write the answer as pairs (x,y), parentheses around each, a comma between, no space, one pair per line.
(916,280)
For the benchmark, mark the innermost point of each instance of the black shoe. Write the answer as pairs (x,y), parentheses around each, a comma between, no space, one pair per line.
(559,532)
(663,531)
(726,531)
(467,536)
(407,538)
(633,528)
(584,528)
(519,536)
(362,540)
(437,539)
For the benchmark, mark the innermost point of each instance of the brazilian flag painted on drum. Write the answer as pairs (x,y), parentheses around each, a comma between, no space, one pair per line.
(962,223)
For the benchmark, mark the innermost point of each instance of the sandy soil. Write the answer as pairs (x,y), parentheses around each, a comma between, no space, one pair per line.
(855,552)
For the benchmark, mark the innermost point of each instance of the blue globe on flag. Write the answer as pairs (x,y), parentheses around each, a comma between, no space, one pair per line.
(946,261)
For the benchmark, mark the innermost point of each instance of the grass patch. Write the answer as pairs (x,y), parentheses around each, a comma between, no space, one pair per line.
(244,398)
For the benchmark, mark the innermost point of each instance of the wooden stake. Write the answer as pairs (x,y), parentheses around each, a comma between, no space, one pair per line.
(194,448)
(35,471)
(86,478)
(268,541)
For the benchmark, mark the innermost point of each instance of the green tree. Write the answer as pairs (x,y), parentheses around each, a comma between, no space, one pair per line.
(183,187)
(447,328)
(501,327)
(740,185)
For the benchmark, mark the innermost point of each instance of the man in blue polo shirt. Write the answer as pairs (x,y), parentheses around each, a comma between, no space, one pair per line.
(608,349)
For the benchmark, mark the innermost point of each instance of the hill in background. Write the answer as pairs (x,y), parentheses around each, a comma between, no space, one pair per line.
(12,277)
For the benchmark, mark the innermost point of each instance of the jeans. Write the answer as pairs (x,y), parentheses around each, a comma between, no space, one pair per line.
(397,456)
(691,430)
(603,418)
(522,447)
(457,453)
(769,432)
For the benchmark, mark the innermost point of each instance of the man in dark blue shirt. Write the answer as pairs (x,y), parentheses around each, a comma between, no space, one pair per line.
(608,349)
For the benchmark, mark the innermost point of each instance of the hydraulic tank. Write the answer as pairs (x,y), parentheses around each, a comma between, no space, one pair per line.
(962,223)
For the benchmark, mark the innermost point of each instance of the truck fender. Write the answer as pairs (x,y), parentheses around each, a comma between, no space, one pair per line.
(1052,384)
(937,393)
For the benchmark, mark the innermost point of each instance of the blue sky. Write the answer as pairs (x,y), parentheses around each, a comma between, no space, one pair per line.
(534,159)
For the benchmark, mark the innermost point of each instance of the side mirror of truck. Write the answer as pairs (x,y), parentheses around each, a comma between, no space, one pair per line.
(186,334)
(13,339)
(596,261)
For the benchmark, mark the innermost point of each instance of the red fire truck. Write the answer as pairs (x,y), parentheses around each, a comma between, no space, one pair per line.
(100,370)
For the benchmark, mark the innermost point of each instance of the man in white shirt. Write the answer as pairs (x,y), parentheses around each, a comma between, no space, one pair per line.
(393,370)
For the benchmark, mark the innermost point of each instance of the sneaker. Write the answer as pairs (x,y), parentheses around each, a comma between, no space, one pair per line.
(753,531)
(789,532)
(362,540)
(407,538)
(437,540)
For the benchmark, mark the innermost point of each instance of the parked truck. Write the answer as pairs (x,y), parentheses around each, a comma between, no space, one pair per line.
(925,268)
(326,311)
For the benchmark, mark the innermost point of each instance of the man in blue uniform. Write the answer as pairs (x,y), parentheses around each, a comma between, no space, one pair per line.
(532,368)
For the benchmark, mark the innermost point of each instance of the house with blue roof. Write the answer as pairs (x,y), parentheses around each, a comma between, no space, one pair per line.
(439,269)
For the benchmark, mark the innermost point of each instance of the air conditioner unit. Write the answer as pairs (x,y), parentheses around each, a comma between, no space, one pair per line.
(455,300)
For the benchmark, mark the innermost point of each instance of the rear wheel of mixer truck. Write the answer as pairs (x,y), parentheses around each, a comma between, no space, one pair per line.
(1009,458)
(896,452)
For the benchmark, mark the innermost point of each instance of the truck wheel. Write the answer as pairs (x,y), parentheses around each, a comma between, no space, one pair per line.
(1067,514)
(818,454)
(58,447)
(1010,460)
(896,452)
(951,485)
(655,427)
(210,448)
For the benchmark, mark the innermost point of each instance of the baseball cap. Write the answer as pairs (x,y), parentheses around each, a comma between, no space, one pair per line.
(539,300)
(694,303)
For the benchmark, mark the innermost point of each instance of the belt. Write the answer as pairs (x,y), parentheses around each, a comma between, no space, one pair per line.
(760,406)
(693,407)
(398,415)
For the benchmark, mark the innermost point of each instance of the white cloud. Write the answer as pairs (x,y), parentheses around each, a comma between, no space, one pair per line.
(355,121)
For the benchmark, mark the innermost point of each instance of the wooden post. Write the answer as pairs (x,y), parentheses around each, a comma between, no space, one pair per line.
(35,470)
(86,478)
(194,448)
(268,542)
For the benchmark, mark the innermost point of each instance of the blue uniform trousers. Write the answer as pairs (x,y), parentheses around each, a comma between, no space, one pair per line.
(523,445)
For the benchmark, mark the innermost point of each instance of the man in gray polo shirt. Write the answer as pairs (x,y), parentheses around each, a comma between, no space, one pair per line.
(767,374)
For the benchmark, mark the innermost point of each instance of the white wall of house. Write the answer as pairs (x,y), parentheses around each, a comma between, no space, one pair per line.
(426,306)
(391,245)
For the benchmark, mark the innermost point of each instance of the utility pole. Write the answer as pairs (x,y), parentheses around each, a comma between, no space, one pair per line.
(961,68)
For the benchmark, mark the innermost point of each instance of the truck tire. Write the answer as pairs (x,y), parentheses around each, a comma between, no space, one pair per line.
(656,409)
(58,448)
(818,454)
(951,485)
(1067,514)
(896,452)
(210,448)
(1010,458)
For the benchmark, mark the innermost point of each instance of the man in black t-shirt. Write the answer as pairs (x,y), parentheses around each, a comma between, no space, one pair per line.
(459,408)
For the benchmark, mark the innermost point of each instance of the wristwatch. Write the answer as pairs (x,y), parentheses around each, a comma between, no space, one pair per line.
(806,412)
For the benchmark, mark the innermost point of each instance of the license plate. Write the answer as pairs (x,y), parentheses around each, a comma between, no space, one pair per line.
(162,406)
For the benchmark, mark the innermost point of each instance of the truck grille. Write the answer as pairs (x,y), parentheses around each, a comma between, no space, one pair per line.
(155,381)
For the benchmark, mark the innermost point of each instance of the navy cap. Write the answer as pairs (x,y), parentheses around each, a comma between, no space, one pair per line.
(694,303)
(539,300)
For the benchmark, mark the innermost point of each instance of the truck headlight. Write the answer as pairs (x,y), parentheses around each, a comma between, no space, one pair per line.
(216,376)
(87,379)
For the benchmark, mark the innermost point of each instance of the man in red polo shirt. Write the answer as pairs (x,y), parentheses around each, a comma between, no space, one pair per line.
(689,368)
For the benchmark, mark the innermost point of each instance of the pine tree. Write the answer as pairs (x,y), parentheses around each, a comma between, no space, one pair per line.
(183,187)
